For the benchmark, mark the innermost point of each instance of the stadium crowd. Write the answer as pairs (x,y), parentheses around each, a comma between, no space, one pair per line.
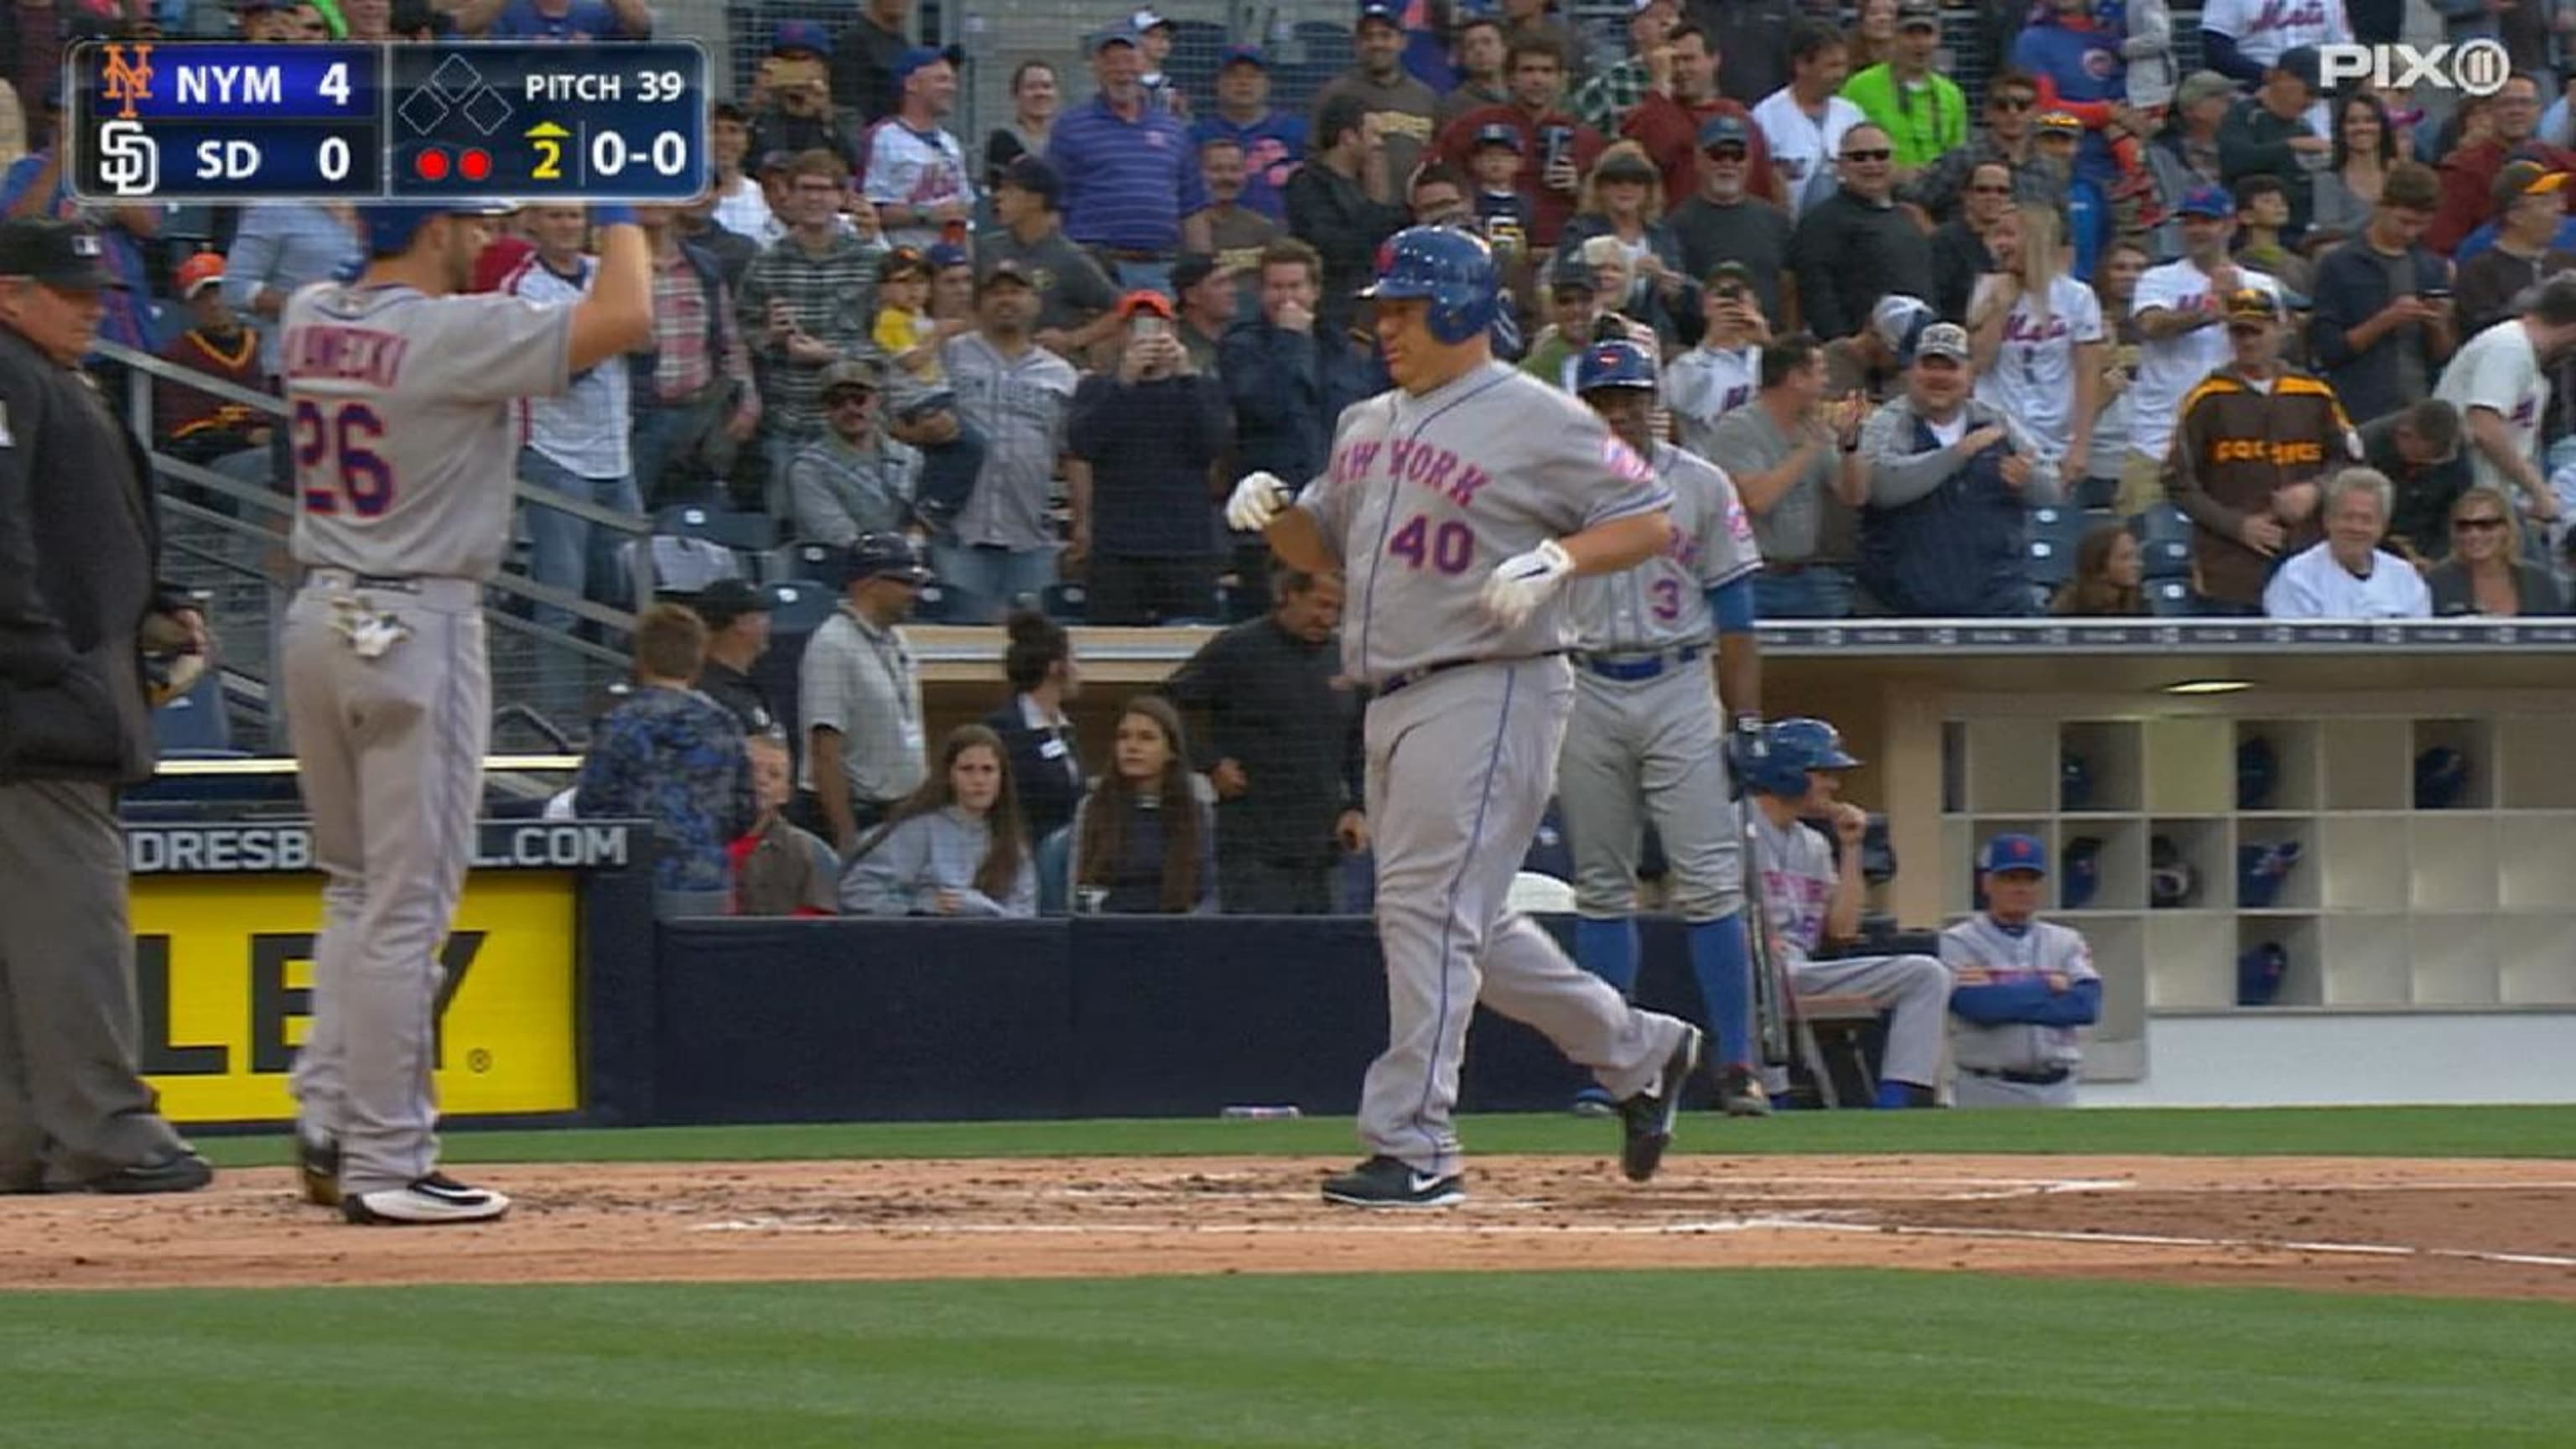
(2103,336)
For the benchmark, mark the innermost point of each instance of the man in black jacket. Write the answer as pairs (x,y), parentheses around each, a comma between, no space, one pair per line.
(1282,746)
(1288,382)
(1856,246)
(1152,431)
(1343,203)
(79,550)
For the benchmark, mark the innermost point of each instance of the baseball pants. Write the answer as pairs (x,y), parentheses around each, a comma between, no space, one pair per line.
(73,1102)
(1915,988)
(390,755)
(1460,764)
(1650,751)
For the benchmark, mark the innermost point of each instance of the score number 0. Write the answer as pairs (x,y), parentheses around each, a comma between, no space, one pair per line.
(609,153)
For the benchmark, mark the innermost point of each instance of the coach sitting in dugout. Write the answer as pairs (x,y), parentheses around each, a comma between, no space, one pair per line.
(79,557)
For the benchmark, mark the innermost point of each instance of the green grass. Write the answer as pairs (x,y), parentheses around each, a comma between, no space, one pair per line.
(1493,1361)
(2319,1131)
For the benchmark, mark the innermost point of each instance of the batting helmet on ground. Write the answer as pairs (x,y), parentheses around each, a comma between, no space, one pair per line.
(1452,270)
(391,227)
(1614,364)
(1797,746)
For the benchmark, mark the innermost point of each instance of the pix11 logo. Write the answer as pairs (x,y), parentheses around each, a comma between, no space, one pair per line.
(2472,67)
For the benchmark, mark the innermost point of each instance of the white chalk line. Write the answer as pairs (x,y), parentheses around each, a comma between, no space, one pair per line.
(1379,1226)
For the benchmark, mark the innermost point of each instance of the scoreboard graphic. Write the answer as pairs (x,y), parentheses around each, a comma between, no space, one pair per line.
(463,122)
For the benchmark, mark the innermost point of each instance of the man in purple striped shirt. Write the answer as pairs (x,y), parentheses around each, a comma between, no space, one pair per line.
(1132,190)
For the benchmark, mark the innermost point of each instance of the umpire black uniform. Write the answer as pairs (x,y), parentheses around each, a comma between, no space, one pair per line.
(79,549)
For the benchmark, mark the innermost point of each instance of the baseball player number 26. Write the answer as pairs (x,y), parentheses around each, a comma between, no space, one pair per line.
(354,472)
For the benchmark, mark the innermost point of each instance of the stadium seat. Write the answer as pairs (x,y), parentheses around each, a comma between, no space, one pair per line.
(936,606)
(1065,602)
(2164,542)
(679,565)
(2170,599)
(750,533)
(2053,533)
(799,606)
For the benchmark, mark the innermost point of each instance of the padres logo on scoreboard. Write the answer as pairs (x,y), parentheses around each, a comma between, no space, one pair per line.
(183,121)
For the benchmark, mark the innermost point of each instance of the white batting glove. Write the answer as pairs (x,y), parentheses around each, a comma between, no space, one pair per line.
(1522,583)
(1258,499)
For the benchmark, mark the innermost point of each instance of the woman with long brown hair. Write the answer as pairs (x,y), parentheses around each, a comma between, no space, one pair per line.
(1144,839)
(2108,569)
(954,847)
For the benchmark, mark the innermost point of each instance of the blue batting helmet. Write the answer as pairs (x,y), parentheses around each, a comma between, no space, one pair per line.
(391,227)
(1797,746)
(1614,364)
(1453,270)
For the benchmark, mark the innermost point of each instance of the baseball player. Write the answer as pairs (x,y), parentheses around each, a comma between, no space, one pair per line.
(1812,899)
(1644,743)
(399,390)
(1457,506)
(2022,989)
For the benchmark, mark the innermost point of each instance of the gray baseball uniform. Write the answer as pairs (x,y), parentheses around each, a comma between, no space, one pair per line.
(1798,880)
(1646,736)
(404,449)
(1984,1051)
(1424,497)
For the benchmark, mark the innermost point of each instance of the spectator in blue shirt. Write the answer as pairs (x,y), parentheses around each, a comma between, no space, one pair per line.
(1132,189)
(1273,141)
(955,847)
(280,246)
(675,757)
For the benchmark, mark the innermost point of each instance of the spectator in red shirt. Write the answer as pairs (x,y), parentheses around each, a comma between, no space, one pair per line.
(230,437)
(1681,98)
(1557,151)
(2469,172)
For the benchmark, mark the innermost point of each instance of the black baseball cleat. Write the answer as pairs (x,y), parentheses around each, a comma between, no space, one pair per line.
(179,1171)
(1647,1118)
(1384,1182)
(1740,1093)
(318,1168)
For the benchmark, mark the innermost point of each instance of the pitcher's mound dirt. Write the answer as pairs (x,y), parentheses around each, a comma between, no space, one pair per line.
(2469,1228)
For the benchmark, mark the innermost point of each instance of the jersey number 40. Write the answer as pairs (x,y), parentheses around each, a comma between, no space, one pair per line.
(1450,548)
(333,464)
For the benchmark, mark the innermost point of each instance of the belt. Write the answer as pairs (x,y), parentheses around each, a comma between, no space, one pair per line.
(2049,1078)
(400,583)
(1630,668)
(1785,567)
(1419,673)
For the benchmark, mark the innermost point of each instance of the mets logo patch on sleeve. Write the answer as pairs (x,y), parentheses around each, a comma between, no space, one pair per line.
(1623,462)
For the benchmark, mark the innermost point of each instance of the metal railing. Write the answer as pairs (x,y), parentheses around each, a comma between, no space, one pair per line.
(236,540)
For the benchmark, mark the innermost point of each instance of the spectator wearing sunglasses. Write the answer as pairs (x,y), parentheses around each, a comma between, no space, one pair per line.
(1856,246)
(2485,573)
(2012,99)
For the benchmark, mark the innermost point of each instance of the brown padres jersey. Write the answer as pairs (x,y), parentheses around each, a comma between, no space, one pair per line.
(2236,444)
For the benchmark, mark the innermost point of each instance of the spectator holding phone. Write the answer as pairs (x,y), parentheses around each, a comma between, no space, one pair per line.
(2377,342)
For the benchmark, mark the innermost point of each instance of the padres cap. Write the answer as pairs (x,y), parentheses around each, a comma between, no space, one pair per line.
(1033,175)
(1192,268)
(197,273)
(2014,851)
(2054,122)
(1004,272)
(56,254)
(2252,304)
(2518,179)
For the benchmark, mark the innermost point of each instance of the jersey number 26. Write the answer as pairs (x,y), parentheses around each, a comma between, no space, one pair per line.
(333,462)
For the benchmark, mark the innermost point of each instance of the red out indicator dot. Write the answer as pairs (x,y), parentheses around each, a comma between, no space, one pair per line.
(475,164)
(431,164)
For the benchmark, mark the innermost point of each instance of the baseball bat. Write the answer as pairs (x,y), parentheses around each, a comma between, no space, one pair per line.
(1772,1002)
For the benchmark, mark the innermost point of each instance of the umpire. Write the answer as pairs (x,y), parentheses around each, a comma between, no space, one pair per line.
(79,545)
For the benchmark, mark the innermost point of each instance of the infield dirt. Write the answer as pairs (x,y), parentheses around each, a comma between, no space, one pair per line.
(2465,1228)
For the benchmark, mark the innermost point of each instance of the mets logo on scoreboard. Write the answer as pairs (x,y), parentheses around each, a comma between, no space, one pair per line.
(125,82)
